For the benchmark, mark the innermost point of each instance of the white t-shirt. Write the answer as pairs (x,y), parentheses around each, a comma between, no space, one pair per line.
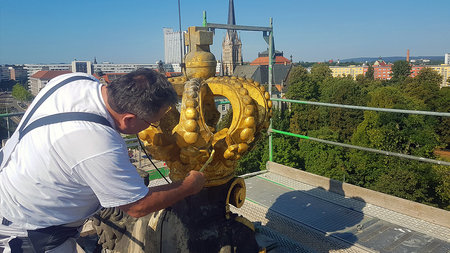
(64,172)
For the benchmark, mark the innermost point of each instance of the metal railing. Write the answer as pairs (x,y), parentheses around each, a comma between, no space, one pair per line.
(3,115)
(366,108)
(133,142)
(387,153)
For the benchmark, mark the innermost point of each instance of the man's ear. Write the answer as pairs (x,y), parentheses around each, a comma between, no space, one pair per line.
(129,120)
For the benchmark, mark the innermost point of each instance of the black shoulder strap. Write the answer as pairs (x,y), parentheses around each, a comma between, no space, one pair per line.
(47,94)
(63,117)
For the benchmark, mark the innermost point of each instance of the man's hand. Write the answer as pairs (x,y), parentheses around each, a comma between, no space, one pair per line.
(162,196)
(194,181)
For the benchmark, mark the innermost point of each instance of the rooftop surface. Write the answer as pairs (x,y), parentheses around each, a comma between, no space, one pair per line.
(300,217)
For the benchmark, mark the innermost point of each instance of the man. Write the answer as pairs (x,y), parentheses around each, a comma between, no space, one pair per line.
(67,159)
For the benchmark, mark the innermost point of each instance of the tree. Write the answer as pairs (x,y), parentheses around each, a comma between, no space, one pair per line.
(344,91)
(303,89)
(257,156)
(442,173)
(360,78)
(401,133)
(425,86)
(285,151)
(320,72)
(280,119)
(442,125)
(254,160)
(20,93)
(396,132)
(413,180)
(284,147)
(306,87)
(297,74)
(370,73)
(323,159)
(400,70)
(304,117)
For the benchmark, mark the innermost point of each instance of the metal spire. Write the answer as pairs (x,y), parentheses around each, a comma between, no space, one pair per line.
(231,19)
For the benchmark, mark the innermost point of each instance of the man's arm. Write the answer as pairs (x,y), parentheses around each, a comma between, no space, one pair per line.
(160,197)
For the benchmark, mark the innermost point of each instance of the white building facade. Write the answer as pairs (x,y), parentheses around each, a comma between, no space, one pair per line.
(34,68)
(172,45)
(107,68)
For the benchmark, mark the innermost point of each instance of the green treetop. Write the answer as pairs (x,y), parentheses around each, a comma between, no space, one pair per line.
(400,70)
(370,73)
(20,93)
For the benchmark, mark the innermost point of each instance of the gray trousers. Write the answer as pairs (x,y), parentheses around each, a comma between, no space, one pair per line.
(52,239)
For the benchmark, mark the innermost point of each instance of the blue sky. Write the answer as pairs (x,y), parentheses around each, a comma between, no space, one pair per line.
(130,31)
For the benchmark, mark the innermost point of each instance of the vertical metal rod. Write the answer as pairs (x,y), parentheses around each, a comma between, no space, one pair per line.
(181,34)
(7,122)
(204,19)
(140,156)
(270,87)
(7,127)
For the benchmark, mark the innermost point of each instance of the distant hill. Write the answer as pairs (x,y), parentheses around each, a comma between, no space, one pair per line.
(393,58)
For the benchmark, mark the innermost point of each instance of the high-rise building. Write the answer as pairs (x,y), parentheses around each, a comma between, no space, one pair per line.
(231,45)
(18,73)
(172,46)
(447,59)
(83,67)
(4,73)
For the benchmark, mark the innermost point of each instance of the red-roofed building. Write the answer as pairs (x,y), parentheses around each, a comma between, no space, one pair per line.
(380,63)
(382,71)
(263,59)
(41,78)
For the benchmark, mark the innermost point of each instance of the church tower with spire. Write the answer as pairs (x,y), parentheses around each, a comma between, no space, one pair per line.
(231,46)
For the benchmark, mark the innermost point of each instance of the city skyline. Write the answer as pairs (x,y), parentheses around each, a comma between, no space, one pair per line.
(132,32)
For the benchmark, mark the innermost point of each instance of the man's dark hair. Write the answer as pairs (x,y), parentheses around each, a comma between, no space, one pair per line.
(142,92)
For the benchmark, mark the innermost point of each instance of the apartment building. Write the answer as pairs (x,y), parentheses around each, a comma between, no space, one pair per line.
(351,70)
(383,71)
(444,71)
